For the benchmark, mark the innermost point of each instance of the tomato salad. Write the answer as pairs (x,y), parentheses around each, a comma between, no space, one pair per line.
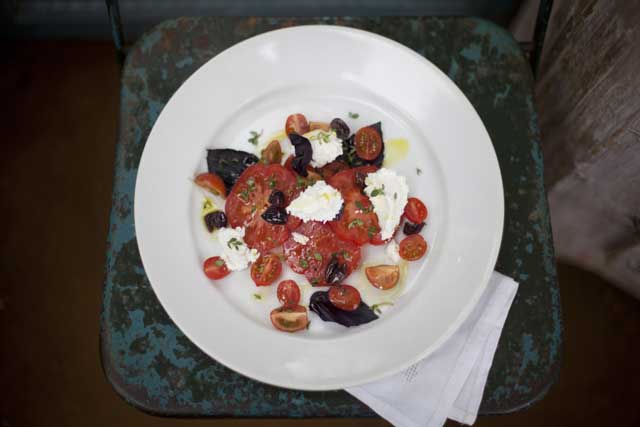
(313,210)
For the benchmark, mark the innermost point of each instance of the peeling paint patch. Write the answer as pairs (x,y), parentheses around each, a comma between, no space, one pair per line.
(471,52)
(184,62)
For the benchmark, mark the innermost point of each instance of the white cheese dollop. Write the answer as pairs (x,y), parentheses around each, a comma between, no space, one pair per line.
(300,238)
(388,193)
(326,146)
(319,202)
(235,252)
(392,251)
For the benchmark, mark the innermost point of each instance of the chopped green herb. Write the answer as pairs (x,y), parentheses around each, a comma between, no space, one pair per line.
(281,257)
(260,268)
(376,307)
(304,263)
(251,184)
(234,243)
(244,195)
(350,152)
(353,115)
(207,204)
(314,281)
(272,182)
(257,296)
(419,171)
(360,206)
(377,192)
(254,137)
(318,256)
(300,182)
(346,255)
(372,230)
(355,223)
(321,136)
(219,262)
(253,208)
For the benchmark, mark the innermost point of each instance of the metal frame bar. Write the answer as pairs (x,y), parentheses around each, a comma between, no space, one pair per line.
(113,9)
(542,21)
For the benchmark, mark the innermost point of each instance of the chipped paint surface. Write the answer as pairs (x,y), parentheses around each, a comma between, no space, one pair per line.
(155,367)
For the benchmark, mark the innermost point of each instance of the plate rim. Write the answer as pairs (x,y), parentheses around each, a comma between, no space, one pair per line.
(496,241)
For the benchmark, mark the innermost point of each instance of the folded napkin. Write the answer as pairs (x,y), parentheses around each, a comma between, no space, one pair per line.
(449,382)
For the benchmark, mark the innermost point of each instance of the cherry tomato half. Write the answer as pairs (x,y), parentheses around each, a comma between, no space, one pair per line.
(413,247)
(288,293)
(383,276)
(296,123)
(345,297)
(272,153)
(211,182)
(415,210)
(368,143)
(319,125)
(290,319)
(215,268)
(266,269)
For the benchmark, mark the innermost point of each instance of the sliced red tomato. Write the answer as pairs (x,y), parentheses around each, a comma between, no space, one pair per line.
(215,268)
(346,179)
(358,223)
(211,182)
(345,297)
(288,293)
(368,143)
(312,258)
(330,169)
(383,276)
(296,123)
(376,240)
(413,247)
(266,269)
(415,210)
(293,222)
(249,198)
(290,319)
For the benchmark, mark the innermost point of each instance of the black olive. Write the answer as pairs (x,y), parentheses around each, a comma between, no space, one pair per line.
(303,153)
(275,215)
(360,178)
(341,128)
(277,198)
(410,228)
(215,220)
(336,271)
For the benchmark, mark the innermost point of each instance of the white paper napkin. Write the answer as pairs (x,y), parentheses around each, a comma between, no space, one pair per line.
(448,383)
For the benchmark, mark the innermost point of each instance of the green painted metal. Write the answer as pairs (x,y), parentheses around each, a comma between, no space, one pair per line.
(156,368)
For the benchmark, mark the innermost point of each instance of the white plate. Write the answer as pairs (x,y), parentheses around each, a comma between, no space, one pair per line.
(324,72)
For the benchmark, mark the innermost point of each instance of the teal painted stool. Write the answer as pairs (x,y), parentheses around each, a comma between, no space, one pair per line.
(153,366)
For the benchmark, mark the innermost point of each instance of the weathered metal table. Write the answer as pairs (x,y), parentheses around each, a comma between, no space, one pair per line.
(153,366)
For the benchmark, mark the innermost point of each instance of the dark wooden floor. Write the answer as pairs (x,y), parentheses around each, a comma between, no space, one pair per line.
(58,126)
